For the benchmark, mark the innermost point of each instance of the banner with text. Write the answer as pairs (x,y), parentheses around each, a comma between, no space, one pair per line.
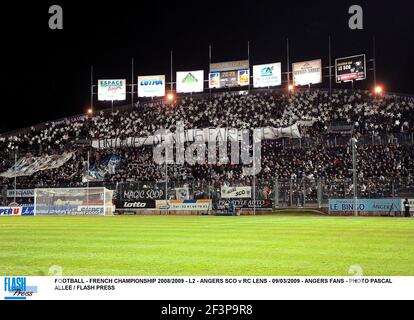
(267,75)
(151,86)
(111,90)
(307,72)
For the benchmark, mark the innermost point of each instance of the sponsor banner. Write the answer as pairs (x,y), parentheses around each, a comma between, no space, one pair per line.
(188,82)
(152,193)
(206,135)
(247,204)
(136,205)
(351,68)
(267,75)
(102,170)
(410,203)
(26,193)
(111,90)
(27,210)
(307,72)
(365,205)
(229,66)
(214,80)
(236,192)
(184,205)
(151,86)
(216,288)
(243,78)
(69,210)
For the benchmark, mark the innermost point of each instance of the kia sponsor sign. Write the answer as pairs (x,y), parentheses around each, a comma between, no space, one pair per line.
(151,86)
(111,90)
(267,75)
(307,72)
(236,192)
(189,82)
(351,68)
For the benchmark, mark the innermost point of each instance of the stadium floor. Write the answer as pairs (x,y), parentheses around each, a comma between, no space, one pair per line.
(301,245)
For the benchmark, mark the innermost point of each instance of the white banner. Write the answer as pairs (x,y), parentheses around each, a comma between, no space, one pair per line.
(192,81)
(184,205)
(307,72)
(111,90)
(204,288)
(267,75)
(198,135)
(27,193)
(151,86)
(236,192)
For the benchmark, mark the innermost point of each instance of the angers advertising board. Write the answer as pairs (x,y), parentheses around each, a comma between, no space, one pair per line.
(307,72)
(151,86)
(267,75)
(111,90)
(351,68)
(189,82)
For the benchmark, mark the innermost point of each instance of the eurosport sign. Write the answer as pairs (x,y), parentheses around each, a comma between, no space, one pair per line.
(351,68)
(151,86)
(189,82)
(111,90)
(365,205)
(267,75)
(307,72)
(236,192)
(17,211)
(229,79)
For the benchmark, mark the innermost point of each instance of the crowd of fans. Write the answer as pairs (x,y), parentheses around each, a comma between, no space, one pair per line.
(370,115)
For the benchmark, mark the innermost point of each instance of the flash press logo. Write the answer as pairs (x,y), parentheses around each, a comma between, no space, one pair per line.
(16,288)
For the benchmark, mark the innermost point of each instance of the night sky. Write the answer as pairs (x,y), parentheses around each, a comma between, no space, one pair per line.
(46,74)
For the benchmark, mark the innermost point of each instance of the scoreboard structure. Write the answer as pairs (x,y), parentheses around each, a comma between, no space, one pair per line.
(352,68)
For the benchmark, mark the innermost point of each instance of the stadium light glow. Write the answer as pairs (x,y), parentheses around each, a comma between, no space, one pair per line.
(378,90)
(90,111)
(291,87)
(170,97)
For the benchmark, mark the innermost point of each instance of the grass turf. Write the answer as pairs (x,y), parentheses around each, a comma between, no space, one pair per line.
(279,245)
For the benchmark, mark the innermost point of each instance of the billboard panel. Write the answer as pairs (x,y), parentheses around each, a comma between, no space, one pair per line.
(229,66)
(267,75)
(365,205)
(236,192)
(244,78)
(214,80)
(351,68)
(151,86)
(111,90)
(229,79)
(307,72)
(188,82)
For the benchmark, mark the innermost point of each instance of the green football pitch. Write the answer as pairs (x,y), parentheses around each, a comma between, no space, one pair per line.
(278,245)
